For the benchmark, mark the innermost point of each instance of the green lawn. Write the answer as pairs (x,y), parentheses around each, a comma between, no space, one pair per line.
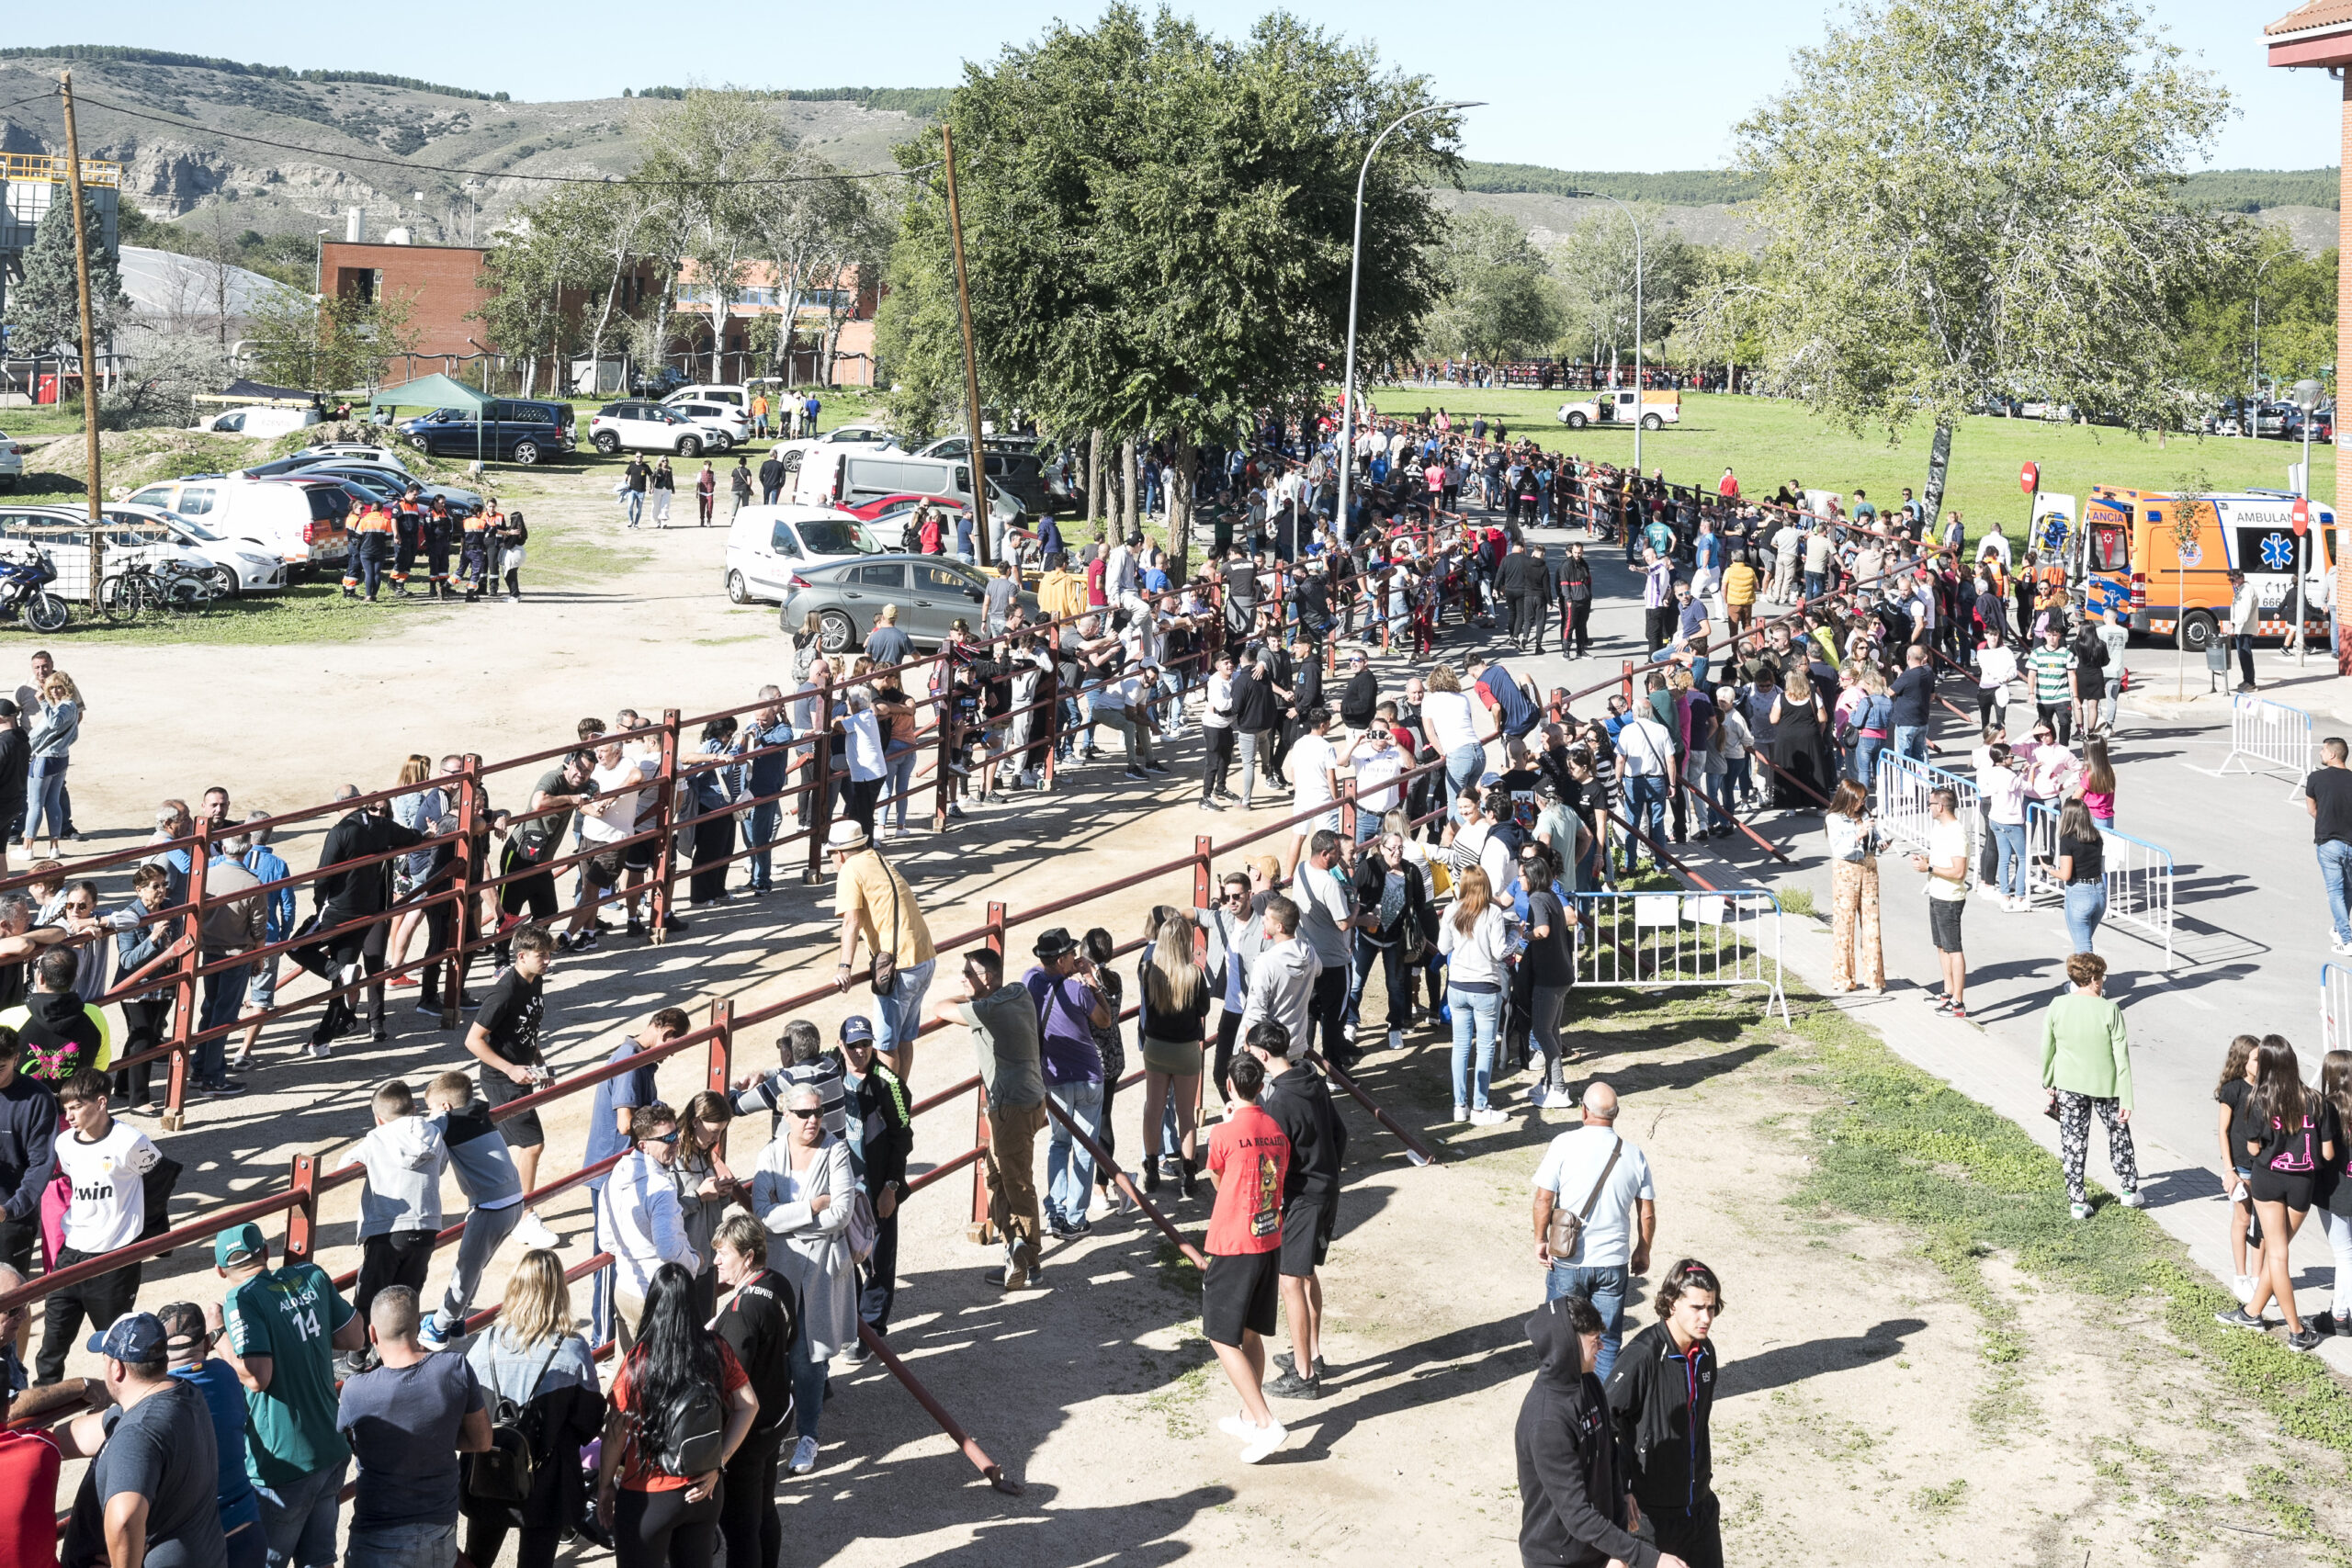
(1768,441)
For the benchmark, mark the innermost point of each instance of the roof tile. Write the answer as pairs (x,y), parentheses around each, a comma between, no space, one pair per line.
(2317,14)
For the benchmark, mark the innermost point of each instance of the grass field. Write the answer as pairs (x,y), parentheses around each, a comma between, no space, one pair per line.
(1768,441)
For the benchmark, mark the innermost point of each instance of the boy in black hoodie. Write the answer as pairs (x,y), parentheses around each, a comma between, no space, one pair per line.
(1574,1506)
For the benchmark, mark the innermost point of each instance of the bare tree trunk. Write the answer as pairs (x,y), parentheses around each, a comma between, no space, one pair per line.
(1180,508)
(1093,475)
(1130,496)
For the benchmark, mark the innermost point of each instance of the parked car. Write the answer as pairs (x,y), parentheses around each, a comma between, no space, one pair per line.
(817,474)
(514,430)
(300,520)
(134,535)
(890,517)
(258,419)
(712,392)
(382,484)
(864,432)
(246,567)
(931,592)
(333,452)
(1013,463)
(637,425)
(729,423)
(766,545)
(657,384)
(12,461)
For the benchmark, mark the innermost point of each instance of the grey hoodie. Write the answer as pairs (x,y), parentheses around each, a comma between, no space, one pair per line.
(403,1157)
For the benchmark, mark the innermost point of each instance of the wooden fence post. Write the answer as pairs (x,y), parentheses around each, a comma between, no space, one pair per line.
(302,1220)
(189,993)
(665,875)
(980,1231)
(1626,679)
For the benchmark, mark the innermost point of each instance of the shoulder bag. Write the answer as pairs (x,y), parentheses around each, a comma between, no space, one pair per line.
(883,978)
(1565,1233)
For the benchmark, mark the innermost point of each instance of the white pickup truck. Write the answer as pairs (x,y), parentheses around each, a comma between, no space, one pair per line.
(1618,406)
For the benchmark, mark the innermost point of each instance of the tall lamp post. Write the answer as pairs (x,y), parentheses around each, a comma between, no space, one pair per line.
(2307,396)
(1355,271)
(1636,222)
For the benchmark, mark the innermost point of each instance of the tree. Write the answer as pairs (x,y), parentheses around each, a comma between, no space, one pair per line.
(1965,199)
(698,154)
(545,253)
(1500,301)
(1595,265)
(172,368)
(2294,336)
(44,313)
(338,343)
(1158,223)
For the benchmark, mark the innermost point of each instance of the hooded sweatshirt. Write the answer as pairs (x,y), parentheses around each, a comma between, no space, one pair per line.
(1571,1483)
(404,1157)
(478,1154)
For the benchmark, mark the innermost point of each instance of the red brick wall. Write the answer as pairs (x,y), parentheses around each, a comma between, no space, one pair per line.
(438,282)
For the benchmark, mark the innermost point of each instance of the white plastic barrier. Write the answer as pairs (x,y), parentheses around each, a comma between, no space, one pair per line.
(1905,810)
(2266,737)
(2334,1007)
(2138,875)
(1682,940)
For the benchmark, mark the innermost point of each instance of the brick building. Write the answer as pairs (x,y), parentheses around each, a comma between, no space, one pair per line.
(441,282)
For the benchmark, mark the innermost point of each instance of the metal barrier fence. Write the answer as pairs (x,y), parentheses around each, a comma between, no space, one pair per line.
(2268,736)
(1709,939)
(1905,810)
(2138,875)
(2334,1007)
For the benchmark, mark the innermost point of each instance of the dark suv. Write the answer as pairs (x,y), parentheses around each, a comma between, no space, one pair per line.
(513,431)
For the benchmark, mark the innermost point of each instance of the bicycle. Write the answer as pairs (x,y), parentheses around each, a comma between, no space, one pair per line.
(145,587)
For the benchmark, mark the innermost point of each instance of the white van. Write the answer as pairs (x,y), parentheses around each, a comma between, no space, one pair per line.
(259,419)
(819,474)
(713,393)
(299,520)
(766,545)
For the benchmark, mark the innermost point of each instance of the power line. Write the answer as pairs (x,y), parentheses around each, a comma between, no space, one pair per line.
(404,164)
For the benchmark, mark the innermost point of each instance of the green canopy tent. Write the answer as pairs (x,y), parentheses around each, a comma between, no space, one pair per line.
(426,392)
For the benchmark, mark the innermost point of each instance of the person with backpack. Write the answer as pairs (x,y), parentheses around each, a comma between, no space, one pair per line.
(539,1378)
(681,1405)
(805,1195)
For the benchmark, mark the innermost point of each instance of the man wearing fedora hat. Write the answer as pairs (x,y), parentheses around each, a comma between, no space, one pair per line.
(1070,1007)
(874,901)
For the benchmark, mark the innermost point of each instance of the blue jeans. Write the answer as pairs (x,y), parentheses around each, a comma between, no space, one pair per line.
(403,1546)
(1866,750)
(2008,841)
(224,994)
(1645,807)
(1815,581)
(1069,1169)
(1391,959)
(1462,766)
(1604,1287)
(2336,872)
(1911,741)
(2086,904)
(635,506)
(808,1387)
(1485,1010)
(45,792)
(299,1518)
(900,782)
(897,1017)
(759,831)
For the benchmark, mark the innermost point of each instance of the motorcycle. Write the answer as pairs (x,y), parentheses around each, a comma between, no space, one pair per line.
(24,593)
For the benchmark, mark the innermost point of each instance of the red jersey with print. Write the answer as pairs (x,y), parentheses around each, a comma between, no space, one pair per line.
(1249,1157)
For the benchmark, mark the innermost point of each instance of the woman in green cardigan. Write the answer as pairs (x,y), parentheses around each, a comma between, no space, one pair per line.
(2086,1065)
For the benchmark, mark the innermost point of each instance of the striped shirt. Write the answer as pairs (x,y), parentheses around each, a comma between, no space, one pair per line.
(2050,669)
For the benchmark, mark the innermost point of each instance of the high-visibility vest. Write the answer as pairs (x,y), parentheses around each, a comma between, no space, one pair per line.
(371,521)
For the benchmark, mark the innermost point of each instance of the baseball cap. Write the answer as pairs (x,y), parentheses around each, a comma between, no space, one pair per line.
(183,1325)
(135,1337)
(239,1243)
(856,1027)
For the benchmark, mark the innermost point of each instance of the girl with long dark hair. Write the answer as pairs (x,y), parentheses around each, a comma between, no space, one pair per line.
(660,1519)
(2335,1195)
(2287,1152)
(2234,1095)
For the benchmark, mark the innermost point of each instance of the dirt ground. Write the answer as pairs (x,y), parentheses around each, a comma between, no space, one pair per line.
(1860,1418)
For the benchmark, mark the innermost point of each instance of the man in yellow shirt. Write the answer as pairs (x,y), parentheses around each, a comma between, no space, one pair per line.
(1061,592)
(873,900)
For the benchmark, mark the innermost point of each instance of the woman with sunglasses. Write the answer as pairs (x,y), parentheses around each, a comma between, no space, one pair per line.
(802,1192)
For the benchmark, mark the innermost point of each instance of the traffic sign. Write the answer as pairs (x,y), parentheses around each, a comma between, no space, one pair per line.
(2301,514)
(2029,477)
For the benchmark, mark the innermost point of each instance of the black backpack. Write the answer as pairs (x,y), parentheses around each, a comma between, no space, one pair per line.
(505,1472)
(687,1435)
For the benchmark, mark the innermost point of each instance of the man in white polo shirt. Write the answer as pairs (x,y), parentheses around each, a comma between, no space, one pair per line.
(1591,1173)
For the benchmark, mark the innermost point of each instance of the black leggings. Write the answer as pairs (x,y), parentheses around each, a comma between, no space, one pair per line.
(662,1529)
(1229,1030)
(754,1534)
(485,1539)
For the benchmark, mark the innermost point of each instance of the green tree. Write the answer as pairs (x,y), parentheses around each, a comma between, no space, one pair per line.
(1500,301)
(548,250)
(699,153)
(339,344)
(1158,221)
(1595,265)
(1971,198)
(2294,334)
(44,312)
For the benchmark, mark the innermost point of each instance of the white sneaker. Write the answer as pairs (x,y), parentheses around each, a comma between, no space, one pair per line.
(804,1456)
(2242,1287)
(534,1231)
(2132,1199)
(1461,1113)
(1396,1040)
(1489,1117)
(1263,1440)
(1348,1032)
(1238,1427)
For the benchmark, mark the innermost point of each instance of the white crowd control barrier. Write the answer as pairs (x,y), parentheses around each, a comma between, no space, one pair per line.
(2334,1007)
(1682,940)
(1905,810)
(2266,737)
(2138,875)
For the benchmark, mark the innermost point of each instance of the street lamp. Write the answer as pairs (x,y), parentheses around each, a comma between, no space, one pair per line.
(2305,396)
(1355,269)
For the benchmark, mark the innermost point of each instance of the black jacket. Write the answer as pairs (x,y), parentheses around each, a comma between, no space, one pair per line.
(28,1147)
(1372,880)
(1308,691)
(1300,1103)
(880,1103)
(1524,576)
(1358,698)
(364,889)
(1253,702)
(1668,1446)
(16,762)
(1576,580)
(1571,1476)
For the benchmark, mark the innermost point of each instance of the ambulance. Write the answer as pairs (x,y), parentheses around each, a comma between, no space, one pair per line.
(2129,558)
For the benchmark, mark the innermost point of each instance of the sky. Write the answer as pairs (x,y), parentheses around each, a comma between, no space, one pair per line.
(1590,87)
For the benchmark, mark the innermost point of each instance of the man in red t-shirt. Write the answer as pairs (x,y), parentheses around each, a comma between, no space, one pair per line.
(1248,1159)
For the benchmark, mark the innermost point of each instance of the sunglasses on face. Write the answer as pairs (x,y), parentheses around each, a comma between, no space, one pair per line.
(804,1114)
(670,1137)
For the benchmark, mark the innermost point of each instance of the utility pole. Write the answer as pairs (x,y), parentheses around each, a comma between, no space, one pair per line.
(89,339)
(979,470)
